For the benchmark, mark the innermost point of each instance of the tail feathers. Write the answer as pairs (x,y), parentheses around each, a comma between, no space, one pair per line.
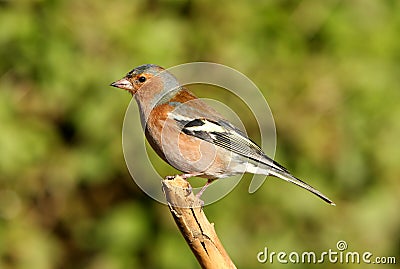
(289,178)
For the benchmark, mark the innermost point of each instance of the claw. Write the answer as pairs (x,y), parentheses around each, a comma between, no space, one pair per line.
(170,177)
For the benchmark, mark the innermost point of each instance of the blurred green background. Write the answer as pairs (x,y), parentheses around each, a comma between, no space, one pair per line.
(329,70)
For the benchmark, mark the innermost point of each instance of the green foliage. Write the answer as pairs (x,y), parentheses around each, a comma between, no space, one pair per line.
(329,70)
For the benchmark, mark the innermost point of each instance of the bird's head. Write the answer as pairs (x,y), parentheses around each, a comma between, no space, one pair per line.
(137,77)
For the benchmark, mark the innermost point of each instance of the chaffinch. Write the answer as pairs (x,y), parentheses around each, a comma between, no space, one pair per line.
(193,137)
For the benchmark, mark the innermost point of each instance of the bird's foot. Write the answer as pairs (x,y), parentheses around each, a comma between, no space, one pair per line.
(200,193)
(184,176)
(170,177)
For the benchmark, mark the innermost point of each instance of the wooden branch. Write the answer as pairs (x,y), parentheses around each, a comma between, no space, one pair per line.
(198,232)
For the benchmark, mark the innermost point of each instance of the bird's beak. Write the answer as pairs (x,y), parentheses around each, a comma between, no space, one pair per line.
(123,83)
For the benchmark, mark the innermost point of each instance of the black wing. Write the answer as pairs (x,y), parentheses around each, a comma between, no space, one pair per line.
(229,137)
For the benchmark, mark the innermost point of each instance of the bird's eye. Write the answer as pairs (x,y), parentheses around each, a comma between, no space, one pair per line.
(142,79)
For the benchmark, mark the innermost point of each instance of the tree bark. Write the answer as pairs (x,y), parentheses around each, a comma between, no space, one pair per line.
(198,232)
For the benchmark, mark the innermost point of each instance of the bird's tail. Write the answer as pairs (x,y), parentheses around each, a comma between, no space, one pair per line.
(289,178)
